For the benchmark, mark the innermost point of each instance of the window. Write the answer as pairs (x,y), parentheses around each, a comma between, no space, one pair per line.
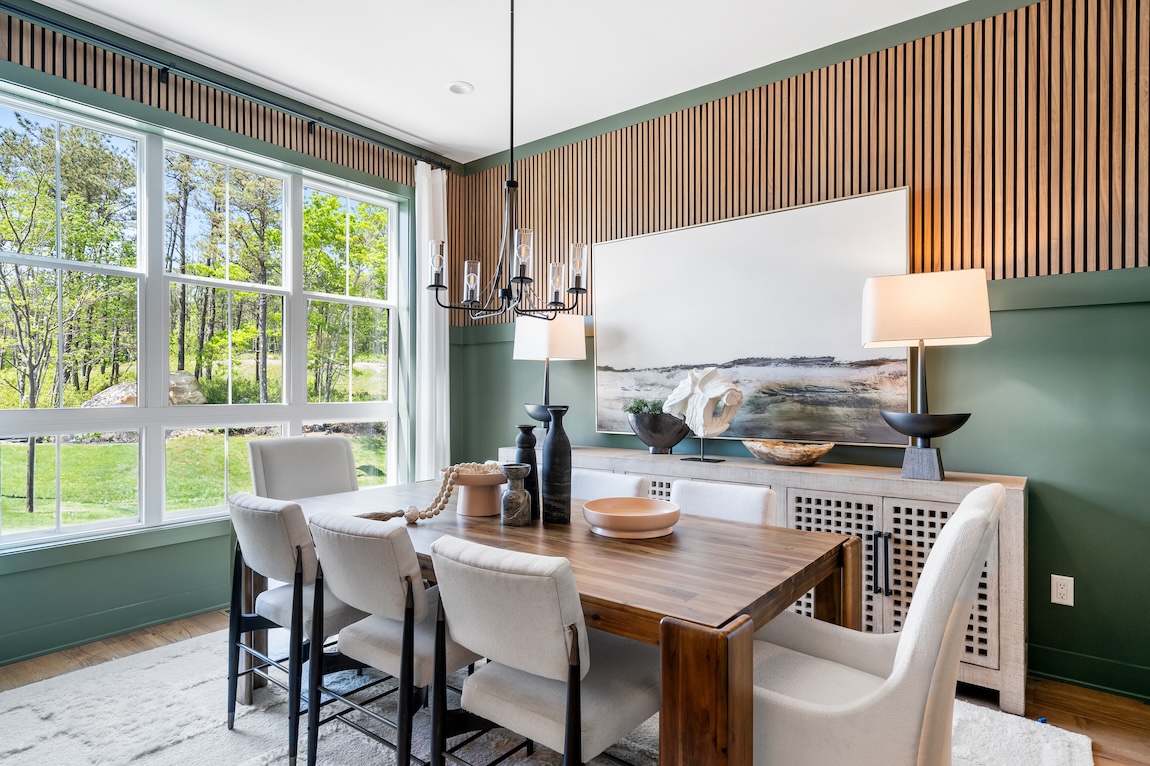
(136,364)
(346,276)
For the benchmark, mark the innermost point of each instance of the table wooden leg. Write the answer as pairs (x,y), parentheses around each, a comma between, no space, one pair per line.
(852,598)
(706,718)
(838,598)
(254,584)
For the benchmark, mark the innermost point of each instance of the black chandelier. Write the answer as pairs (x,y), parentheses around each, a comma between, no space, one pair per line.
(510,289)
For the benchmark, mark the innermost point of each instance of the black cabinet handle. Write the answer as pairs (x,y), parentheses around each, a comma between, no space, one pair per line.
(875,587)
(886,560)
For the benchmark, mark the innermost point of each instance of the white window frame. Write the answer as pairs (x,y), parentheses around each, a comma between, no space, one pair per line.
(153,416)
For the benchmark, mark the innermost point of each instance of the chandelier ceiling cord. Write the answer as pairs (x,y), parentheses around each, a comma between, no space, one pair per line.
(509,290)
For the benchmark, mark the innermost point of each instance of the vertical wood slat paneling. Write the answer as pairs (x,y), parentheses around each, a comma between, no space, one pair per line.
(31,46)
(1024,139)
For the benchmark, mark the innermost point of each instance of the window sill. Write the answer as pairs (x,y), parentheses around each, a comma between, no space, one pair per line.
(113,543)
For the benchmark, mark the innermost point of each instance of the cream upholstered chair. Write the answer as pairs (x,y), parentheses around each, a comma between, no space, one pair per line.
(302,466)
(733,502)
(272,538)
(825,694)
(372,566)
(591,485)
(549,678)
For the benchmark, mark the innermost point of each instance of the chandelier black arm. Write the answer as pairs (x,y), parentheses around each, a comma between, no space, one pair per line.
(543,312)
(453,306)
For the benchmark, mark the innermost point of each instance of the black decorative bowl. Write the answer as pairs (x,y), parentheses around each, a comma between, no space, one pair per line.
(658,430)
(924,425)
(538,412)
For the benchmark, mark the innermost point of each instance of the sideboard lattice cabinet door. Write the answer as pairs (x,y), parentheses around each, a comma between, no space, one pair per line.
(914,526)
(858,515)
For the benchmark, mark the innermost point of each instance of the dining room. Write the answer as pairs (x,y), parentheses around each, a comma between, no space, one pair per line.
(741,406)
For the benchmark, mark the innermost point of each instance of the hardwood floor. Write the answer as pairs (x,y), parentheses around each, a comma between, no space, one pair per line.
(1119,727)
(58,663)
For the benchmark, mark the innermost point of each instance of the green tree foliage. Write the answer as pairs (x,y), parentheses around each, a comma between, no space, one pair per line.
(345,253)
(68,192)
(225,223)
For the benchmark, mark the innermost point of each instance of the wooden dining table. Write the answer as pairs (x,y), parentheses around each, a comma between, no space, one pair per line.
(698,593)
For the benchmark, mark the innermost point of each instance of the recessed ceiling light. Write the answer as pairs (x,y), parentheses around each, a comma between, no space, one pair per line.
(460,88)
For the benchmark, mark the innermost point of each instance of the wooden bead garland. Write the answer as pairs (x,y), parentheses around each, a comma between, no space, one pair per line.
(412,514)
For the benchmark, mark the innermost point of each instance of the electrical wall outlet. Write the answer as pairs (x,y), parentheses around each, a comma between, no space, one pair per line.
(1061,590)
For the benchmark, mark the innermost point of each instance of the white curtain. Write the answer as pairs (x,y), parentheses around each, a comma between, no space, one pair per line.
(432,427)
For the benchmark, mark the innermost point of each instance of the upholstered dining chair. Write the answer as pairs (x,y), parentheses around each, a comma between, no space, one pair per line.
(587,484)
(372,566)
(302,466)
(733,502)
(548,677)
(272,538)
(825,694)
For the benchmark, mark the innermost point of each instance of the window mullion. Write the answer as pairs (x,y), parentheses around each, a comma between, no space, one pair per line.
(152,366)
(295,304)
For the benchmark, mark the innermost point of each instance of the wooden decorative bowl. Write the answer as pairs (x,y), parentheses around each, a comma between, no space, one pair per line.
(636,518)
(787,453)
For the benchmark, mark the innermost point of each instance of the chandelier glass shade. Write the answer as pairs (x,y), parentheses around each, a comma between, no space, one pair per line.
(513,288)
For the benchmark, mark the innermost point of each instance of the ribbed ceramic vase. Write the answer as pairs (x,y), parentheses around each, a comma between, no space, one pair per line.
(556,472)
(525,453)
(515,504)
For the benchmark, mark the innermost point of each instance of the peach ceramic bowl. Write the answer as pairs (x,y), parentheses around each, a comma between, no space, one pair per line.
(636,518)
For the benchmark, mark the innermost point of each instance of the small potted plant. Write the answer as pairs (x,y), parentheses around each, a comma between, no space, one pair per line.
(659,430)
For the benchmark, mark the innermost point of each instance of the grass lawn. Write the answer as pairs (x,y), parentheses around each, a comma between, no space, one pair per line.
(98,481)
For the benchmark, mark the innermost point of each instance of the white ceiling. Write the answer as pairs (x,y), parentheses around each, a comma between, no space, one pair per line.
(386,65)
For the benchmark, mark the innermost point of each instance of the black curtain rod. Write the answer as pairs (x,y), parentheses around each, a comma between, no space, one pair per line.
(166,68)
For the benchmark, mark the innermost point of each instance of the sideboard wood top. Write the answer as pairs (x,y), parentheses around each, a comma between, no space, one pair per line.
(877,480)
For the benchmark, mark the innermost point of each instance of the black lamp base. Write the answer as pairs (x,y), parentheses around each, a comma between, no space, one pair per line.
(923,463)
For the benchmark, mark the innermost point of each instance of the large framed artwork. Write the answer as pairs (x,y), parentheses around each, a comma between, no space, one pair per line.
(774,301)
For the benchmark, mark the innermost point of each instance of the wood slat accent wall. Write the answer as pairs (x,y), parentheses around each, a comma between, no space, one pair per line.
(30,45)
(1024,139)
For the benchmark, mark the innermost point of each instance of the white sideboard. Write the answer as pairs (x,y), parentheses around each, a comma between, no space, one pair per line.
(897,520)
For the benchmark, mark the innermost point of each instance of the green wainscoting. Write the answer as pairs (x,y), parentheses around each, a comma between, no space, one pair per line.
(58,597)
(1059,394)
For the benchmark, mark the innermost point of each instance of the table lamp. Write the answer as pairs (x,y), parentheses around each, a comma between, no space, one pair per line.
(942,308)
(562,338)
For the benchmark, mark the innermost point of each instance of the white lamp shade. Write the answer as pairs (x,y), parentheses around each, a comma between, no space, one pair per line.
(560,338)
(941,308)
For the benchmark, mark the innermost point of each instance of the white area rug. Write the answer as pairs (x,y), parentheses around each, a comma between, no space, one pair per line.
(167,707)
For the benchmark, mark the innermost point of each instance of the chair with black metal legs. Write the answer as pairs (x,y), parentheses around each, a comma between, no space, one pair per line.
(272,538)
(372,566)
(302,466)
(522,611)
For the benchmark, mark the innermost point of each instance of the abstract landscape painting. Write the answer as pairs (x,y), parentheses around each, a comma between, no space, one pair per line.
(774,301)
(804,398)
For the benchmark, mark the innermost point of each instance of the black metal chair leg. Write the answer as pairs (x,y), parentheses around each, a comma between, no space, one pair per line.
(315,669)
(573,734)
(439,690)
(406,682)
(234,635)
(295,659)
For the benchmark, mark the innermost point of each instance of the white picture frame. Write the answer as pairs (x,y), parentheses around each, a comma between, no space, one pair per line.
(775,301)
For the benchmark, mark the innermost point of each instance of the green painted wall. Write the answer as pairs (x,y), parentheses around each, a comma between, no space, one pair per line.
(1059,395)
(71,594)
